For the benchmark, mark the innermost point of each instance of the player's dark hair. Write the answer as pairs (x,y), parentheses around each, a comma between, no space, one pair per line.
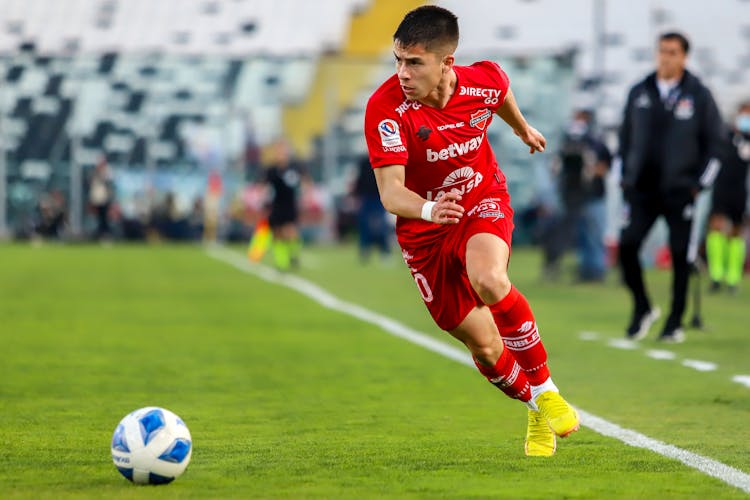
(674,35)
(431,26)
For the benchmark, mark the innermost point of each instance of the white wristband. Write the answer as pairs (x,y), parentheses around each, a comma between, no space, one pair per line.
(427,210)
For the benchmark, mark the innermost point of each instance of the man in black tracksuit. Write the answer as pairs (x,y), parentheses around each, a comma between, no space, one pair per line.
(669,143)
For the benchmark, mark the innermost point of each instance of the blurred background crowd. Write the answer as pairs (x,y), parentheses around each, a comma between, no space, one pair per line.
(141,120)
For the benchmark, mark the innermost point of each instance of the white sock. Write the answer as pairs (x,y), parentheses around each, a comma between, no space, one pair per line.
(546,386)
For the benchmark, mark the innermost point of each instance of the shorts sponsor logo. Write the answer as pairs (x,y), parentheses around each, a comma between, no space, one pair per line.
(479,118)
(461,181)
(389,135)
(491,96)
(456,149)
(487,209)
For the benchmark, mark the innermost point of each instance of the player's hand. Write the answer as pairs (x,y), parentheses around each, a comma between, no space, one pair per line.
(533,139)
(447,210)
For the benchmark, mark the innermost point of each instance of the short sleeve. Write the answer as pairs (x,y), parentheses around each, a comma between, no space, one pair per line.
(496,78)
(384,135)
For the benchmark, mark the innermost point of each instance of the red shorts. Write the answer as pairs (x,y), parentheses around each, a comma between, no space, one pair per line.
(439,268)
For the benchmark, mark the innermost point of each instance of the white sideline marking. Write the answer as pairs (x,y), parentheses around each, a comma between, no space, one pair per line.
(701,366)
(588,336)
(742,379)
(708,466)
(625,344)
(660,354)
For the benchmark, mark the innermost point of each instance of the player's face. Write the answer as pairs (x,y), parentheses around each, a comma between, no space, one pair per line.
(419,71)
(670,59)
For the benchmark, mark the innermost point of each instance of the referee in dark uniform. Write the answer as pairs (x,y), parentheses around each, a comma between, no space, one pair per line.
(725,243)
(284,178)
(669,145)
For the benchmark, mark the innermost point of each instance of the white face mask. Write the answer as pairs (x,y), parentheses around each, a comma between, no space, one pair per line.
(742,122)
(578,128)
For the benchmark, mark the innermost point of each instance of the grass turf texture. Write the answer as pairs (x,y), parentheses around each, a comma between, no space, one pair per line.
(286,399)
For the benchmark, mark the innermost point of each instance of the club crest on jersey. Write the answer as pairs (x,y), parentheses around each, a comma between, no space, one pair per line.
(684,109)
(389,135)
(479,118)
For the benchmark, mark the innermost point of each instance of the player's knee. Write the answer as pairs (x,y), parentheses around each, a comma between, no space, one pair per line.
(492,284)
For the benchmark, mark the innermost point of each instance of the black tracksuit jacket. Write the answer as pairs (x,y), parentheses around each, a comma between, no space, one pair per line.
(673,146)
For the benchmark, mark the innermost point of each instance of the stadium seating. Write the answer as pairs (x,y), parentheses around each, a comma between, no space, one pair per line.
(182,83)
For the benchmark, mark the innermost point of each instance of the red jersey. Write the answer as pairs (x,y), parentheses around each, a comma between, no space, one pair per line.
(442,149)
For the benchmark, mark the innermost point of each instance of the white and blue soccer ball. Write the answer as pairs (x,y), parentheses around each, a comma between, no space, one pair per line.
(151,445)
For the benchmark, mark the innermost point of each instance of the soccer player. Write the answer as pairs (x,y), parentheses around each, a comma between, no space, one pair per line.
(426,134)
(725,245)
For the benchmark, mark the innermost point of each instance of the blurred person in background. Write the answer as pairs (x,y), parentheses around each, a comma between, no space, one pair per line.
(725,243)
(372,221)
(580,166)
(284,177)
(426,133)
(101,196)
(669,143)
(212,207)
(51,215)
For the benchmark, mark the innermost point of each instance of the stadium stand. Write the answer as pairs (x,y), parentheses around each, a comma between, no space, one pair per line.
(185,83)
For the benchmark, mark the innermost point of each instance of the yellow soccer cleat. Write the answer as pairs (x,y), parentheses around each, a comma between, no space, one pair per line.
(540,440)
(561,417)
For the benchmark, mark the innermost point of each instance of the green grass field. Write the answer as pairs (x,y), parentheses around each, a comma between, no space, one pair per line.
(285,398)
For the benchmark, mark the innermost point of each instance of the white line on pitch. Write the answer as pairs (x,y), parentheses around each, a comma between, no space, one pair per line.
(660,354)
(708,466)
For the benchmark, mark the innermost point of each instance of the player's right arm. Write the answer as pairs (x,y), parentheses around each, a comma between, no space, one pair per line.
(402,201)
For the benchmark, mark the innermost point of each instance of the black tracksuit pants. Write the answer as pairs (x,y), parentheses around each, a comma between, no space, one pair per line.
(643,210)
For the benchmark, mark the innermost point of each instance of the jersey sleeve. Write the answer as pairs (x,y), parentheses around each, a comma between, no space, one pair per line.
(496,78)
(384,134)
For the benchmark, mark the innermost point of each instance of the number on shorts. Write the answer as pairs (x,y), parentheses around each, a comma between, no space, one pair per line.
(424,287)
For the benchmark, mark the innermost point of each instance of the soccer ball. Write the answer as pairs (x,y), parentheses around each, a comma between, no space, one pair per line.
(151,446)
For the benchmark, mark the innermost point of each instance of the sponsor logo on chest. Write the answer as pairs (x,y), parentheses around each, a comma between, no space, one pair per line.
(491,96)
(406,105)
(456,149)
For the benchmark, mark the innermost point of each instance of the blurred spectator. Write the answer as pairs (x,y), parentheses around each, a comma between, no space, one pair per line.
(312,209)
(51,215)
(101,196)
(212,207)
(372,222)
(580,167)
(725,243)
(196,218)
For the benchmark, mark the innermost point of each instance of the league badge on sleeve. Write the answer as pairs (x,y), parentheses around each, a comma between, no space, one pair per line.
(389,134)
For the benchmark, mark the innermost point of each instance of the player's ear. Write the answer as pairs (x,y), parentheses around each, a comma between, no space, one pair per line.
(448,62)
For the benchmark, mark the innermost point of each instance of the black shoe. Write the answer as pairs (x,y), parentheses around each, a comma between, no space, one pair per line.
(672,335)
(641,323)
(714,287)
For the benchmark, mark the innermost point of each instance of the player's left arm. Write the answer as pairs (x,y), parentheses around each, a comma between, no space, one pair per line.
(511,114)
